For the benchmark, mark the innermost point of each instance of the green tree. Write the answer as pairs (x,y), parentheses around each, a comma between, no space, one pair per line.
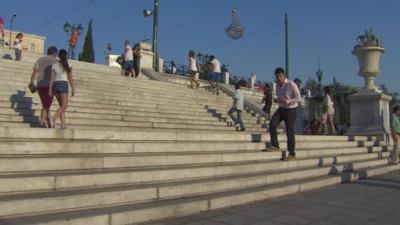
(395,95)
(344,89)
(88,51)
(395,99)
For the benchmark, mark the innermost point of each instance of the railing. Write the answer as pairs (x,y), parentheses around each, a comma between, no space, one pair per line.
(175,68)
(171,67)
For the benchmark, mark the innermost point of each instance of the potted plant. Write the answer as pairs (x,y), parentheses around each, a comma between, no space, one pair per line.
(368,52)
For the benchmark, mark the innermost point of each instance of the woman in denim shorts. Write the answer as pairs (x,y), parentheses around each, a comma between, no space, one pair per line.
(61,76)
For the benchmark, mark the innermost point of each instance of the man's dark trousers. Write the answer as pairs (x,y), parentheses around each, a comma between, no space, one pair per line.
(288,115)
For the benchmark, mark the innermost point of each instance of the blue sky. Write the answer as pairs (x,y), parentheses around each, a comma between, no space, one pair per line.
(324,29)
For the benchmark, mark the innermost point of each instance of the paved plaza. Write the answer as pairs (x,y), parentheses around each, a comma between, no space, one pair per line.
(375,201)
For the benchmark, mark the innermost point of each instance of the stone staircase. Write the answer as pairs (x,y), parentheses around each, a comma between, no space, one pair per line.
(127,106)
(139,150)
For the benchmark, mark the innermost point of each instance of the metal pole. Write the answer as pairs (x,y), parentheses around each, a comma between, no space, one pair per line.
(69,53)
(287,45)
(11,27)
(72,53)
(155,32)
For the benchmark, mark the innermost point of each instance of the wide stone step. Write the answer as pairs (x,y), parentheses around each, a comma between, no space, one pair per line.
(103,119)
(133,115)
(39,180)
(98,161)
(73,118)
(92,124)
(117,105)
(232,198)
(100,98)
(129,92)
(93,113)
(104,109)
(131,212)
(204,186)
(137,126)
(82,161)
(76,134)
(93,79)
(21,146)
(107,80)
(108,99)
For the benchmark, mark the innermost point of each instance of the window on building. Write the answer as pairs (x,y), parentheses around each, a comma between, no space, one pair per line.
(33,47)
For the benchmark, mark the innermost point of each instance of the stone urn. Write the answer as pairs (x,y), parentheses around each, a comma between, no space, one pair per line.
(145,46)
(369,108)
(368,61)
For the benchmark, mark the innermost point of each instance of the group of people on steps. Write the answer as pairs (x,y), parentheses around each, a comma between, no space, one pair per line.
(52,76)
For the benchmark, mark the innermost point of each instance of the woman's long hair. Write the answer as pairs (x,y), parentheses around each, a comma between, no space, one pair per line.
(192,54)
(19,35)
(328,91)
(62,54)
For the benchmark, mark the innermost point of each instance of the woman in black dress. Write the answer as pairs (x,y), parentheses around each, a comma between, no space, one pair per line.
(267,100)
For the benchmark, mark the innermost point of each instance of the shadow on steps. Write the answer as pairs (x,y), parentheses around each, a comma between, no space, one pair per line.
(23,106)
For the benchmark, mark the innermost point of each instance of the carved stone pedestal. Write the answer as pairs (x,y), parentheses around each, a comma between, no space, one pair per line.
(370,113)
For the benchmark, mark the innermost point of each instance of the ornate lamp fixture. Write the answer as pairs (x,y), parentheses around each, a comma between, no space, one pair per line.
(73,32)
(235,30)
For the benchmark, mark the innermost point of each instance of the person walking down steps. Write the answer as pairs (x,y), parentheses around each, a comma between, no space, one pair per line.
(238,106)
(193,66)
(287,96)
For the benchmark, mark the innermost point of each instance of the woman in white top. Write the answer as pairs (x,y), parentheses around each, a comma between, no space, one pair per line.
(329,110)
(61,75)
(18,46)
(193,69)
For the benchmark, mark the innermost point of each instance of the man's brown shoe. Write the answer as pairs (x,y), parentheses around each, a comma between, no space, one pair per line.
(271,149)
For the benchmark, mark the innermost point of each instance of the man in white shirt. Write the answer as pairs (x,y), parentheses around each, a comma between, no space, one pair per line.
(238,106)
(128,60)
(215,75)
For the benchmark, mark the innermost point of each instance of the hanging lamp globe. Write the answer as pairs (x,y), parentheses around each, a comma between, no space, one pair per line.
(235,30)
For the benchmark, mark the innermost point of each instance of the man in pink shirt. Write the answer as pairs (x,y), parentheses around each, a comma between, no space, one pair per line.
(287,97)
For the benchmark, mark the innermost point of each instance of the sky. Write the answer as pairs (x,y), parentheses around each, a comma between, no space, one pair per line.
(318,29)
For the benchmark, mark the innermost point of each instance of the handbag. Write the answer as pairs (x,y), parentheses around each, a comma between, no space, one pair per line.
(32,87)
(120,60)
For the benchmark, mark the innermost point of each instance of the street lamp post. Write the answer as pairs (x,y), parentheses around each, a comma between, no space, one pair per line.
(11,27)
(73,32)
(287,45)
(147,13)
(235,31)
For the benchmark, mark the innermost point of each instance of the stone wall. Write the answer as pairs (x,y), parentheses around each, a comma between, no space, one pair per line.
(31,42)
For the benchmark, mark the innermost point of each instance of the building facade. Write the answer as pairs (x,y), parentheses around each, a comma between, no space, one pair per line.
(31,42)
